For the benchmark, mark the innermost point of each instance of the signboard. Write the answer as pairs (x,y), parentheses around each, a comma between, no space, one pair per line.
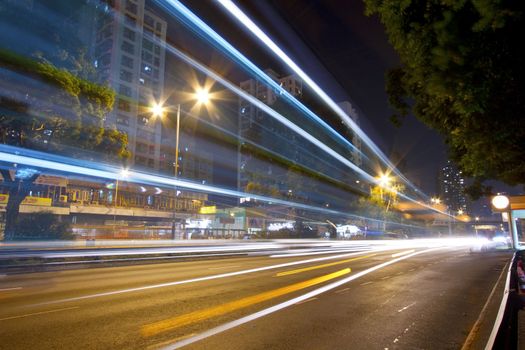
(43,202)
(208,210)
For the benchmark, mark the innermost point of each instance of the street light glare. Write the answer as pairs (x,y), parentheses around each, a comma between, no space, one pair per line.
(203,96)
(157,109)
(384,180)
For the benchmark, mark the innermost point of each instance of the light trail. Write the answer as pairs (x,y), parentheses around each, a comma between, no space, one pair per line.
(59,164)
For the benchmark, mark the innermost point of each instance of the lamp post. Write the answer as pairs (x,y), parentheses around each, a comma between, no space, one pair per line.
(202,96)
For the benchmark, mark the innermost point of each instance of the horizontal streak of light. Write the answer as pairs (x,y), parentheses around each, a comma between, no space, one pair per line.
(316,267)
(200,315)
(198,279)
(281,255)
(402,253)
(288,303)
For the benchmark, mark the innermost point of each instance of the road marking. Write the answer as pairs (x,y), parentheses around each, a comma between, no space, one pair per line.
(342,290)
(305,301)
(406,307)
(403,253)
(7,289)
(411,270)
(223,267)
(292,272)
(39,313)
(171,341)
(200,315)
(364,284)
(198,279)
(386,277)
(232,324)
(477,325)
(399,273)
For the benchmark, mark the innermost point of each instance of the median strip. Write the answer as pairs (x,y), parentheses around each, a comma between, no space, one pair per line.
(200,315)
(291,272)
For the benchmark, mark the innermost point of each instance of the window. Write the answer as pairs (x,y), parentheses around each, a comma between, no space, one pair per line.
(157,49)
(123,105)
(149,21)
(141,147)
(151,149)
(147,57)
(146,44)
(158,26)
(146,69)
(127,61)
(127,47)
(129,20)
(125,90)
(126,75)
(122,120)
(151,163)
(103,47)
(131,7)
(129,34)
(156,62)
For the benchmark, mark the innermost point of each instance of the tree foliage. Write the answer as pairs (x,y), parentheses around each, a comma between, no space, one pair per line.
(462,74)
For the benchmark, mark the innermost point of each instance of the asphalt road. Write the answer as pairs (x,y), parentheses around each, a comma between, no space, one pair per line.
(411,298)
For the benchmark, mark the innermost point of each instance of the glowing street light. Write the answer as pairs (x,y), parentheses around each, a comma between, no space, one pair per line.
(157,109)
(500,202)
(202,95)
(384,180)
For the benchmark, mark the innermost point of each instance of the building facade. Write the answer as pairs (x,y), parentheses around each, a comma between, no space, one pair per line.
(452,188)
(129,54)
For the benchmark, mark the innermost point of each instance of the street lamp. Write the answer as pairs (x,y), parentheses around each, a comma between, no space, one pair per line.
(202,96)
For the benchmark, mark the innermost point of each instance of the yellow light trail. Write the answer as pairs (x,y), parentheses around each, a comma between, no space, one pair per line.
(200,315)
(292,272)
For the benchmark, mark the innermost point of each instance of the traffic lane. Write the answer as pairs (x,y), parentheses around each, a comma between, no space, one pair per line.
(44,286)
(115,321)
(424,303)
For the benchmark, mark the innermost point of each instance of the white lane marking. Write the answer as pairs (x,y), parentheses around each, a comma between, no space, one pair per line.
(38,313)
(364,284)
(275,308)
(403,253)
(406,307)
(499,316)
(305,301)
(386,277)
(199,279)
(342,290)
(12,288)
(222,267)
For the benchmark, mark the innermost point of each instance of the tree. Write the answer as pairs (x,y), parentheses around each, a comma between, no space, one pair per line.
(60,113)
(462,74)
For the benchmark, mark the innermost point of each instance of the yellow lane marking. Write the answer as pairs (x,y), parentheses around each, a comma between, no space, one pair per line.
(200,315)
(291,272)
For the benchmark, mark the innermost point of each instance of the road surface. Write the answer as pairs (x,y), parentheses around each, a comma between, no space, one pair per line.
(405,298)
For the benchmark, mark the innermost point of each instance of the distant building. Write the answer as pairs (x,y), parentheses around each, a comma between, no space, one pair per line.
(256,126)
(452,188)
(130,55)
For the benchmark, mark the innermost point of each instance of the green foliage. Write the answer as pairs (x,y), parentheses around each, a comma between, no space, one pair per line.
(43,225)
(462,74)
(65,116)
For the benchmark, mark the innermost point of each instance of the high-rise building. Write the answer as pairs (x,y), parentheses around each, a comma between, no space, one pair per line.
(452,188)
(256,126)
(130,55)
